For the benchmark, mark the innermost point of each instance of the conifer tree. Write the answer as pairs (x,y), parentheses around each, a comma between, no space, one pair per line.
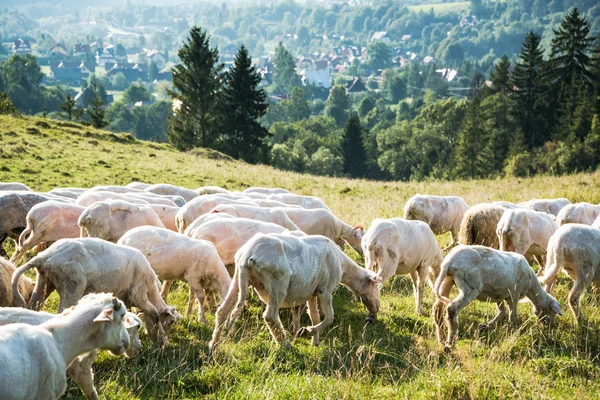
(243,103)
(96,112)
(197,81)
(500,126)
(500,77)
(527,79)
(338,104)
(353,149)
(69,106)
(471,160)
(285,77)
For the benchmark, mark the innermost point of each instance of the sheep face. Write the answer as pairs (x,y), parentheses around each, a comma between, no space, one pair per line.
(94,221)
(419,209)
(368,292)
(133,323)
(113,332)
(355,238)
(547,312)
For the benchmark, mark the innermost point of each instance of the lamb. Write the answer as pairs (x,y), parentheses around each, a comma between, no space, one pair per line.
(229,234)
(579,213)
(176,256)
(76,267)
(576,248)
(80,370)
(525,231)
(110,219)
(48,222)
(14,186)
(486,274)
(166,189)
(298,200)
(34,358)
(25,285)
(549,206)
(478,225)
(167,215)
(273,215)
(287,271)
(205,190)
(318,221)
(441,213)
(399,246)
(199,206)
(263,190)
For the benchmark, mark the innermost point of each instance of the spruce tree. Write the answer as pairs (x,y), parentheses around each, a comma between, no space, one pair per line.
(338,105)
(471,160)
(243,103)
(500,126)
(353,149)
(69,106)
(500,77)
(152,71)
(198,82)
(285,77)
(95,110)
(527,79)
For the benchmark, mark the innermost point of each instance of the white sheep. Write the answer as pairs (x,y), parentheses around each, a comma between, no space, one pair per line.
(273,215)
(174,256)
(398,246)
(25,285)
(576,249)
(596,223)
(487,274)
(442,213)
(167,189)
(88,198)
(80,370)
(14,186)
(200,206)
(75,267)
(138,185)
(479,224)
(110,219)
(549,206)
(579,213)
(167,215)
(288,271)
(263,190)
(297,200)
(34,358)
(206,190)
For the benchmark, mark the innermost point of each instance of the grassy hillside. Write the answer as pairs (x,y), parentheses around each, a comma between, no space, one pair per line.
(395,358)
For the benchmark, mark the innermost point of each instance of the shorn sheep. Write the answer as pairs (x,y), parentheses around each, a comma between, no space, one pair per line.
(25,285)
(576,249)
(34,358)
(486,274)
(288,271)
(75,267)
(80,370)
(479,223)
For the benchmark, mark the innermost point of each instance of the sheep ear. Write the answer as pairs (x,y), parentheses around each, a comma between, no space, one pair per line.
(105,316)
(130,322)
(376,280)
(556,308)
(358,232)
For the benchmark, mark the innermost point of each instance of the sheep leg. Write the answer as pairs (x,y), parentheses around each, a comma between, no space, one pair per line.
(2,251)
(198,292)
(326,301)
(313,312)
(461,301)
(164,291)
(40,292)
(575,296)
(542,261)
(497,319)
(152,320)
(422,275)
(513,309)
(82,373)
(191,300)
(18,253)
(69,297)
(296,311)
(438,310)
(271,317)
(223,312)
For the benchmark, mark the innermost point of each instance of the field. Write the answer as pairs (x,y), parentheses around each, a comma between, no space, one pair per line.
(397,357)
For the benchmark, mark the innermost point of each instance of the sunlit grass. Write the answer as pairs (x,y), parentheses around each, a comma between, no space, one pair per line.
(397,357)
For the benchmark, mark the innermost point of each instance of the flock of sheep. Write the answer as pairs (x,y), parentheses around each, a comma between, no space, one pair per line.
(109,247)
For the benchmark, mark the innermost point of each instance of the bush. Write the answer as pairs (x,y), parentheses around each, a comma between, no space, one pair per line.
(283,157)
(323,162)
(7,106)
(520,165)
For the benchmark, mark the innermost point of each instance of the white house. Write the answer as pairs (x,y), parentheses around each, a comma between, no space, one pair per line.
(21,47)
(318,77)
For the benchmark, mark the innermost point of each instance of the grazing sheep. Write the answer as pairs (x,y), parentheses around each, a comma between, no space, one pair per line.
(25,284)
(138,185)
(34,358)
(398,247)
(14,186)
(88,198)
(288,271)
(206,190)
(526,231)
(48,222)
(200,206)
(441,213)
(579,213)
(69,193)
(576,249)
(298,200)
(176,256)
(549,206)
(228,234)
(486,274)
(318,221)
(75,267)
(263,190)
(479,224)
(166,189)
(272,215)
(596,223)
(80,370)
(110,219)
(167,215)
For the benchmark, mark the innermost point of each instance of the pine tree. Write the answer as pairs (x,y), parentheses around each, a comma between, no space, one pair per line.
(197,81)
(243,103)
(500,77)
(285,77)
(152,71)
(297,108)
(69,106)
(96,112)
(500,125)
(338,105)
(527,79)
(471,160)
(353,149)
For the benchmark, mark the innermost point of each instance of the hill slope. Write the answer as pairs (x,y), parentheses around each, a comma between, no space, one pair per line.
(395,358)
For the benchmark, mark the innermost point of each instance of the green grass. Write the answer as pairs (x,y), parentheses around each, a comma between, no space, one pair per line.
(397,357)
(443,8)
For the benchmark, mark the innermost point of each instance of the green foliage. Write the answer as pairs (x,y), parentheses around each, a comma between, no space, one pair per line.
(338,105)
(353,149)
(379,55)
(119,81)
(500,78)
(70,109)
(95,111)
(285,77)
(152,71)
(22,77)
(471,161)
(296,107)
(6,105)
(135,93)
(324,162)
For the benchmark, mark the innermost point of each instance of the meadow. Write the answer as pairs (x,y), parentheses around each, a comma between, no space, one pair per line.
(397,357)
